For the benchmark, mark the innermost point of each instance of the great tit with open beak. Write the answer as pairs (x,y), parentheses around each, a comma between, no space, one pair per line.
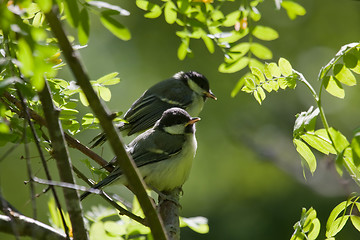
(186,90)
(163,154)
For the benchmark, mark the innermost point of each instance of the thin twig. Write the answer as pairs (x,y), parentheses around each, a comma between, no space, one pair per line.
(27,157)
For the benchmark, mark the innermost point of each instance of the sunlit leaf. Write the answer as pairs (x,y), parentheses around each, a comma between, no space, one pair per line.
(260,51)
(344,75)
(265,33)
(355,221)
(115,27)
(334,87)
(208,43)
(318,142)
(25,57)
(334,215)
(285,67)
(258,74)
(339,139)
(336,226)
(197,224)
(72,12)
(273,69)
(84,27)
(232,18)
(234,66)
(293,9)
(170,12)
(306,154)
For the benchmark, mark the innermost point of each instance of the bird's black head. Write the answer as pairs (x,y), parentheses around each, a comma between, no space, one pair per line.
(197,83)
(199,79)
(176,121)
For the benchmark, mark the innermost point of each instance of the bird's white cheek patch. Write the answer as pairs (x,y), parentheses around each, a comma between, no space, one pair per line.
(176,129)
(195,87)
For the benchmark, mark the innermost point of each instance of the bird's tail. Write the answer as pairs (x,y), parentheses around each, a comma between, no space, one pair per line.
(106,181)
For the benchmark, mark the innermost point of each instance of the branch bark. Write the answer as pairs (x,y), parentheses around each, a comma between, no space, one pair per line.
(169,211)
(103,114)
(63,163)
(26,226)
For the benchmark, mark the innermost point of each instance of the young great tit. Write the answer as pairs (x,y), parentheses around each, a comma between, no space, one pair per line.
(186,90)
(163,154)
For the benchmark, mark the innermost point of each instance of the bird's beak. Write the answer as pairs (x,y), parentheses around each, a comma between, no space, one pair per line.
(192,121)
(209,94)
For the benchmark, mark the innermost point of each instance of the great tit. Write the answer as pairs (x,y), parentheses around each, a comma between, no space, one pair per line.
(186,90)
(163,154)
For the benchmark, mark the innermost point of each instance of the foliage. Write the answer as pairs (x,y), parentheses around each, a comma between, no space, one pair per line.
(237,33)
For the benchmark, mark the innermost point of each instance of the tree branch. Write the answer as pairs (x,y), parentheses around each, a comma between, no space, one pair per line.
(169,211)
(29,227)
(104,116)
(63,163)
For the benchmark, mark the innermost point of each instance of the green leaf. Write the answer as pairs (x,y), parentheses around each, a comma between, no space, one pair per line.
(337,226)
(84,27)
(83,99)
(355,221)
(115,228)
(265,33)
(238,86)
(258,74)
(259,94)
(333,86)
(197,224)
(25,57)
(306,154)
(260,51)
(208,43)
(238,51)
(350,60)
(293,9)
(183,49)
(45,5)
(285,67)
(344,75)
(104,93)
(108,79)
(330,226)
(72,12)
(305,121)
(272,70)
(115,27)
(234,36)
(170,12)
(339,140)
(234,66)
(355,146)
(232,18)
(319,143)
(154,9)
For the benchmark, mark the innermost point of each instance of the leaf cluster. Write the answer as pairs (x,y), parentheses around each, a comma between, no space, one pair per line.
(237,33)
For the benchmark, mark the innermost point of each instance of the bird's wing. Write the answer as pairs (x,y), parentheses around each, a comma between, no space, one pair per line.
(149,107)
(153,148)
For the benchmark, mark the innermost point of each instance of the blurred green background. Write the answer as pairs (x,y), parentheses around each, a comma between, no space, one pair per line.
(247,177)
